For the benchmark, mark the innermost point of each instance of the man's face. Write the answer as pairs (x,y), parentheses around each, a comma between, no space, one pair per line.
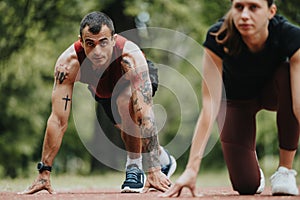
(98,47)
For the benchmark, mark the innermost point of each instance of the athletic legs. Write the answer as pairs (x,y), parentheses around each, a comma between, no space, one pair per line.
(238,144)
(238,131)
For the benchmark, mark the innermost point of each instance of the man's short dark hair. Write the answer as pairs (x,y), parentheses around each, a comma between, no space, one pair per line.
(95,21)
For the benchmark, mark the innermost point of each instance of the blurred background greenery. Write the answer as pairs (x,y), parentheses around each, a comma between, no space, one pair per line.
(35,32)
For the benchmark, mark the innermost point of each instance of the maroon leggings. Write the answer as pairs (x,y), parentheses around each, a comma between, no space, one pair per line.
(237,123)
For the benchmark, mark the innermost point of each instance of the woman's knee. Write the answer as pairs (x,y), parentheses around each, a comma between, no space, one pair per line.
(246,189)
(242,166)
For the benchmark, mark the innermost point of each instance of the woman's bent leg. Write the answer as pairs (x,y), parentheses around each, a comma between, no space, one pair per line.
(238,144)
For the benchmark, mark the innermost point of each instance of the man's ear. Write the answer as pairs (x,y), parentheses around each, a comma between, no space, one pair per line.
(273,11)
(81,41)
(114,38)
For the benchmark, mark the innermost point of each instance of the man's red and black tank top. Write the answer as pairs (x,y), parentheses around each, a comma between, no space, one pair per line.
(101,85)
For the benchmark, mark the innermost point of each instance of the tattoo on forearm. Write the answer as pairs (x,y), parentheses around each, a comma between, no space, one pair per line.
(66,99)
(151,151)
(146,88)
(135,102)
(150,142)
(140,81)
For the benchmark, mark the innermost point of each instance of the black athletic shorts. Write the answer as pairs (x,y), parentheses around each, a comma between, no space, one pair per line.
(110,105)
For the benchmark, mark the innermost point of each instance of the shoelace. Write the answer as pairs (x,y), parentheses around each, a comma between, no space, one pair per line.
(132,175)
(283,173)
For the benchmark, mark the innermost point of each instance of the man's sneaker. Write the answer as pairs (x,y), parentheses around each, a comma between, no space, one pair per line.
(135,179)
(283,182)
(261,187)
(169,169)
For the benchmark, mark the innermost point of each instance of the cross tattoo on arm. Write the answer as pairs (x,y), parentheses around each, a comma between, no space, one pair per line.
(66,99)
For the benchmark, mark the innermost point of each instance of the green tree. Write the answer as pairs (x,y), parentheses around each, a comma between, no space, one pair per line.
(33,34)
(290,9)
(24,106)
(213,10)
(20,18)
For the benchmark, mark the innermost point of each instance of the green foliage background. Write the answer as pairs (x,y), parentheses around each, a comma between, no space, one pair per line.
(35,32)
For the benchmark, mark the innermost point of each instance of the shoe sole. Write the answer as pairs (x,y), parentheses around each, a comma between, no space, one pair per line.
(131,190)
(134,190)
(278,192)
(283,194)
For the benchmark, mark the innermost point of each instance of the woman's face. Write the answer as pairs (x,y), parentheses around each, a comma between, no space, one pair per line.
(251,17)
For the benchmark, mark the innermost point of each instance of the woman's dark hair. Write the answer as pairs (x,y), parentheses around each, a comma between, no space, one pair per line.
(229,36)
(95,21)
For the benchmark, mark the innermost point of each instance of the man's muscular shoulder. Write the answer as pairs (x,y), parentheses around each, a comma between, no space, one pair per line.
(69,64)
(132,50)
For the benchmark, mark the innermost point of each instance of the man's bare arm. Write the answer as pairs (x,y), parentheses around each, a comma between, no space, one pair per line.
(134,63)
(58,119)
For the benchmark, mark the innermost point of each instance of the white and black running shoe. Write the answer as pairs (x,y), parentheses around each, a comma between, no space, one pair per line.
(170,168)
(135,180)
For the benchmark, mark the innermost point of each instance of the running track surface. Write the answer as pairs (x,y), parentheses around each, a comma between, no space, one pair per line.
(208,193)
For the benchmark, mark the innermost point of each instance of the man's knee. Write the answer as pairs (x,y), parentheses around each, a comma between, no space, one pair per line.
(124,104)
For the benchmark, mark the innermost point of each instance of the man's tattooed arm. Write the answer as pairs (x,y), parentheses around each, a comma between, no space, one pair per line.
(143,113)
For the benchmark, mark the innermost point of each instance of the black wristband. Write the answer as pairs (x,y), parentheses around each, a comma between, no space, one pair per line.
(42,167)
